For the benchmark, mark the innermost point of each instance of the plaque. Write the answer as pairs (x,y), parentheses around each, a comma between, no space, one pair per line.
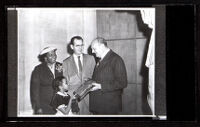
(83,90)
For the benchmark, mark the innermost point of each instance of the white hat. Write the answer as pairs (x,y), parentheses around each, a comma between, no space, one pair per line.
(47,49)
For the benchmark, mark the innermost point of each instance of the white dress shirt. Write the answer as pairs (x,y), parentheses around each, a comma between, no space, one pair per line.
(104,54)
(76,60)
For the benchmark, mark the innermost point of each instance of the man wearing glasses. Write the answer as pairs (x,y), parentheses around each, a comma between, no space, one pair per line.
(78,68)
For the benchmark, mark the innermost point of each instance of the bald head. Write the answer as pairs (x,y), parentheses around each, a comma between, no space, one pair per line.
(99,45)
(100,40)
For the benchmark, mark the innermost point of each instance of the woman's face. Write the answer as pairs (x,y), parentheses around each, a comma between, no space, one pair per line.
(51,57)
(64,84)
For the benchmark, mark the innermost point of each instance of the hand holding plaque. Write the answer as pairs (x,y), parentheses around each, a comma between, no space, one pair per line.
(83,89)
(96,86)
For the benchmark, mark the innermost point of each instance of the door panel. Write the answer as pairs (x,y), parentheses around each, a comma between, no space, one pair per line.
(115,25)
(120,29)
(127,50)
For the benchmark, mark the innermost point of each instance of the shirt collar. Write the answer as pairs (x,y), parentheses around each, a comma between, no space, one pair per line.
(60,93)
(76,56)
(53,65)
(105,53)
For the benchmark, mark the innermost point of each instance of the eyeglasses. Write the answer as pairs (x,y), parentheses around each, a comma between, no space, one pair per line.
(79,45)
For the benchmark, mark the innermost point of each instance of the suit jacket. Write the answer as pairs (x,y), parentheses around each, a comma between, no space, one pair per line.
(111,74)
(71,71)
(41,90)
(75,80)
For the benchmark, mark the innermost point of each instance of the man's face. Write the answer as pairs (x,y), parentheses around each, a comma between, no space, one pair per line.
(77,47)
(96,48)
(51,57)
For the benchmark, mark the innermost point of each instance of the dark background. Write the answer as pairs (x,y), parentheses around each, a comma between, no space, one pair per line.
(182,65)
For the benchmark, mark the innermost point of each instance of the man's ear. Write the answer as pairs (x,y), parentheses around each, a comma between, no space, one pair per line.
(71,46)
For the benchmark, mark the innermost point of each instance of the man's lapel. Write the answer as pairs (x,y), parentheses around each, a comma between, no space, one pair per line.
(84,62)
(74,68)
(105,59)
(47,70)
(73,65)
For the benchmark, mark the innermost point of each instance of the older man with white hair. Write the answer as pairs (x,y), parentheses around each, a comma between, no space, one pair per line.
(111,78)
(41,90)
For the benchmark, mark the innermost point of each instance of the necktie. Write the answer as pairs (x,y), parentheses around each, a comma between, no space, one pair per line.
(79,64)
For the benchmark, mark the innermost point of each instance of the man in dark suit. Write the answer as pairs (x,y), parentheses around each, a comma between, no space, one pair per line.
(78,68)
(111,77)
(41,90)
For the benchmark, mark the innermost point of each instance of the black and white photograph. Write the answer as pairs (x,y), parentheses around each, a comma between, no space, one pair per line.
(88,62)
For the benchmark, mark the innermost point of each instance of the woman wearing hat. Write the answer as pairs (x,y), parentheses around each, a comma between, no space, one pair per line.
(42,77)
